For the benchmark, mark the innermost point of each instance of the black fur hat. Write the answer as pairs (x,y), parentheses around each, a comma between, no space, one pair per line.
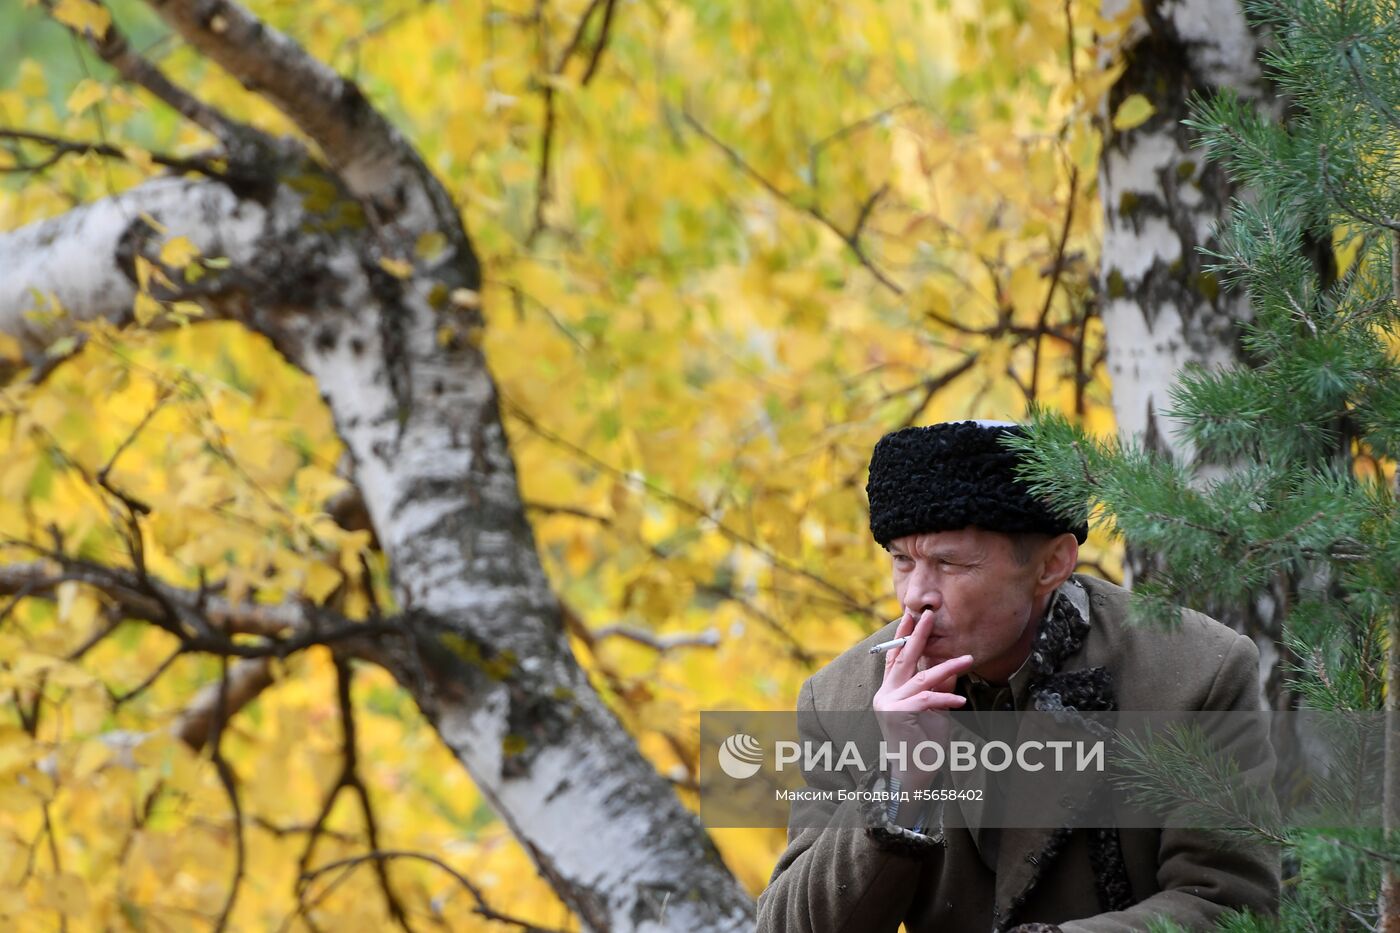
(951,475)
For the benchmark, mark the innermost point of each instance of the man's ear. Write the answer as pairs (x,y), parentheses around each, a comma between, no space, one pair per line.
(1058,560)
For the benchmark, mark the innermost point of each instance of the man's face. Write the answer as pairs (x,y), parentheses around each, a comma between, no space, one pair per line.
(985,601)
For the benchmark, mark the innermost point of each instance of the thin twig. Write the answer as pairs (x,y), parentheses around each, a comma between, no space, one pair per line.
(62,147)
(815,151)
(351,778)
(811,210)
(685,505)
(482,908)
(1057,272)
(114,49)
(932,384)
(229,782)
(709,638)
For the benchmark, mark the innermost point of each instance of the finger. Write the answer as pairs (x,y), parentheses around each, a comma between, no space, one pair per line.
(931,699)
(942,675)
(904,666)
(906,625)
(924,701)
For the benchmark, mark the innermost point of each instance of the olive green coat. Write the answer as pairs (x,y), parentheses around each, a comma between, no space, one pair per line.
(843,879)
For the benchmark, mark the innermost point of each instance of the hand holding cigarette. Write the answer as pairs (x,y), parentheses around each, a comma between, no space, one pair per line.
(910,703)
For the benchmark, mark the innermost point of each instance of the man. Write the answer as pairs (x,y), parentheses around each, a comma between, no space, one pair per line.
(997,620)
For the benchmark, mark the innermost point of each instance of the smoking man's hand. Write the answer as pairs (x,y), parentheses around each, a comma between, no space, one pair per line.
(911,703)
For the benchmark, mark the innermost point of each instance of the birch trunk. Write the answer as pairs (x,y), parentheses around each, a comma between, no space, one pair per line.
(1161,309)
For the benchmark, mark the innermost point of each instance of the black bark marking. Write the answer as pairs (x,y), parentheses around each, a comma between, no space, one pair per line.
(1160,67)
(132,243)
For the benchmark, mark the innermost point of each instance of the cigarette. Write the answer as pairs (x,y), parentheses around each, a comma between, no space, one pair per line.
(884,646)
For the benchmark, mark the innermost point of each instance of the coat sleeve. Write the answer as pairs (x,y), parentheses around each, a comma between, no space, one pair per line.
(844,875)
(1200,876)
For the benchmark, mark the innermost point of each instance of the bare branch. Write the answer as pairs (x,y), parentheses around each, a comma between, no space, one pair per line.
(851,239)
(932,384)
(795,649)
(111,618)
(685,505)
(119,698)
(1057,272)
(230,783)
(577,38)
(600,45)
(333,111)
(709,638)
(351,778)
(246,680)
(814,153)
(482,907)
(285,628)
(542,185)
(114,49)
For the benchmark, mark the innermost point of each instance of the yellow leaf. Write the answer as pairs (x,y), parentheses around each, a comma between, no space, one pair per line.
(182,311)
(178,252)
(1133,112)
(465,298)
(86,709)
(396,267)
(139,157)
(83,14)
(61,347)
(154,224)
(66,893)
(77,607)
(92,756)
(321,580)
(430,245)
(147,272)
(146,308)
(31,79)
(87,93)
(351,546)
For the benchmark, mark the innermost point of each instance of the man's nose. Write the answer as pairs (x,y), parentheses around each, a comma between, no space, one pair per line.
(923,593)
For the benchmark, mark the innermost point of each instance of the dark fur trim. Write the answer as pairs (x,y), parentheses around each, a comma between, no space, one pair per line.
(1061,635)
(1110,871)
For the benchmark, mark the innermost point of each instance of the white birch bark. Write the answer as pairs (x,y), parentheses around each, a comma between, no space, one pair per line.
(1160,201)
(482,647)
